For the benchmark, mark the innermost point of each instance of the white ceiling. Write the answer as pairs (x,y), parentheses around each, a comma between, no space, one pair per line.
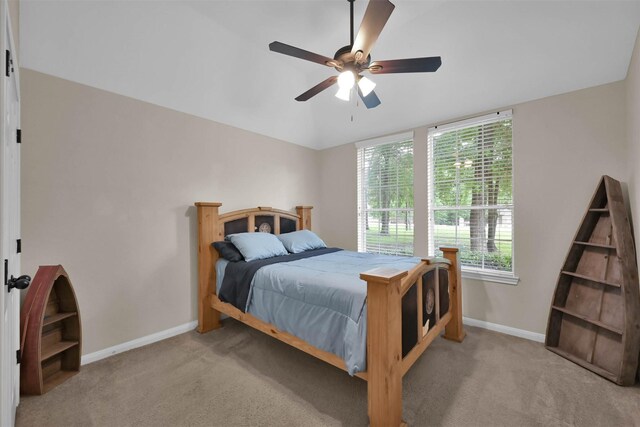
(211,58)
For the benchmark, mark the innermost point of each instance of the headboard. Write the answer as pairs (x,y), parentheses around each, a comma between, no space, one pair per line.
(213,227)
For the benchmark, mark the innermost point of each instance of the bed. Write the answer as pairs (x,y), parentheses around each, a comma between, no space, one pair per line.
(319,303)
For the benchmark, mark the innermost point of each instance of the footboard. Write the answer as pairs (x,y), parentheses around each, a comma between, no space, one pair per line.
(426,314)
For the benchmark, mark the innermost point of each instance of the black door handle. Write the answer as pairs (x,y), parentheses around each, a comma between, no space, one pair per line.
(21,282)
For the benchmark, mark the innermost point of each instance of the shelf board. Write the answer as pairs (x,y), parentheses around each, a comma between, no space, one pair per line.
(595,368)
(595,245)
(57,379)
(57,348)
(591,279)
(586,319)
(58,317)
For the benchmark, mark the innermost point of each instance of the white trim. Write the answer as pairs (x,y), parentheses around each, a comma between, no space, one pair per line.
(489,276)
(508,330)
(487,118)
(389,139)
(138,342)
(168,333)
(14,55)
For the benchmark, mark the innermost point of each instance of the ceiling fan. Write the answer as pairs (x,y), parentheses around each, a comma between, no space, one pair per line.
(355,58)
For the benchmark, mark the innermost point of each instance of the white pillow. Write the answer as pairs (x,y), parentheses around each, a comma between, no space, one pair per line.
(255,246)
(300,241)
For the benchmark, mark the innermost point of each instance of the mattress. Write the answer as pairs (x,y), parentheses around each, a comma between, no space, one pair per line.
(321,299)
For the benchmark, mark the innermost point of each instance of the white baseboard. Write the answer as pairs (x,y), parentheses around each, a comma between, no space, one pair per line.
(533,336)
(168,333)
(139,342)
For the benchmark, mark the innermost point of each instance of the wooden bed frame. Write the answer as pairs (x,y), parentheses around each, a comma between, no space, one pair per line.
(385,289)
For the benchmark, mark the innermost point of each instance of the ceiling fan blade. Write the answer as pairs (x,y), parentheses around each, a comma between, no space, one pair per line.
(374,20)
(412,65)
(371,100)
(318,88)
(296,52)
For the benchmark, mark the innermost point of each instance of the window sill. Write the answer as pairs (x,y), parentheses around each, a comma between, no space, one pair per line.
(487,276)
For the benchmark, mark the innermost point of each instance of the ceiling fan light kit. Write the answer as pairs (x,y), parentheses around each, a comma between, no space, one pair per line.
(344,94)
(366,85)
(346,79)
(352,60)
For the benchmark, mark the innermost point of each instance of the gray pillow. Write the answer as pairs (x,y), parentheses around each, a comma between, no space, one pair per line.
(255,246)
(228,251)
(300,241)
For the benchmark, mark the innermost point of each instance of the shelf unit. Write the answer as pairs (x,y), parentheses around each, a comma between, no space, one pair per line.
(595,245)
(590,279)
(48,320)
(51,332)
(594,320)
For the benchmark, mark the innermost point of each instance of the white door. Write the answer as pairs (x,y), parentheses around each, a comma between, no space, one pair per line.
(9,223)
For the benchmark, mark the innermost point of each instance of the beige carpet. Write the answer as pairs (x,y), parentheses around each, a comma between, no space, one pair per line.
(237,376)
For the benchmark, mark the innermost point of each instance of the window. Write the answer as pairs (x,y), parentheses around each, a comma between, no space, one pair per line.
(385,195)
(471,193)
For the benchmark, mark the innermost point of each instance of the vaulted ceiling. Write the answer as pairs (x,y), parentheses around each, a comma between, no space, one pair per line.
(211,58)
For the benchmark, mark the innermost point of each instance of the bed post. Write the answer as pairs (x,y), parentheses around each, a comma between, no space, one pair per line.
(304,212)
(454,330)
(384,346)
(208,318)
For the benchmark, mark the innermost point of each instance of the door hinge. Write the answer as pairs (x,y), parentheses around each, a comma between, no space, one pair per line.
(6,271)
(7,62)
(19,246)
(19,136)
(18,356)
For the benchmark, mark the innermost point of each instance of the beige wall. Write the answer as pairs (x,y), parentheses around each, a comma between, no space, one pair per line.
(339,196)
(633,136)
(562,145)
(108,186)
(109,182)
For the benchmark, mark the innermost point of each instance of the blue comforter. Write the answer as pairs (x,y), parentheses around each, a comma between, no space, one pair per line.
(320,300)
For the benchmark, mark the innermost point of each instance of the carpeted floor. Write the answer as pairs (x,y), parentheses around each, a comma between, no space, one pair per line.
(237,376)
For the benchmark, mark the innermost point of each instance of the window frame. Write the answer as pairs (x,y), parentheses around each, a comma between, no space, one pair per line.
(471,272)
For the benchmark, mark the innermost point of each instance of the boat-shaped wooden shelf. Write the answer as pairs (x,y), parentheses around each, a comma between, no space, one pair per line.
(51,332)
(594,319)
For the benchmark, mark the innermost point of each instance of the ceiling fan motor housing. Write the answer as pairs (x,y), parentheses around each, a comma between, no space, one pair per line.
(349,60)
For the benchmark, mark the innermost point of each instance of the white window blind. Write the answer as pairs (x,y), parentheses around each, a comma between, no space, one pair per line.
(385,197)
(470,185)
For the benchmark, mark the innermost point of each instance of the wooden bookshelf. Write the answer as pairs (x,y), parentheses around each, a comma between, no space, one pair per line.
(594,319)
(51,332)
